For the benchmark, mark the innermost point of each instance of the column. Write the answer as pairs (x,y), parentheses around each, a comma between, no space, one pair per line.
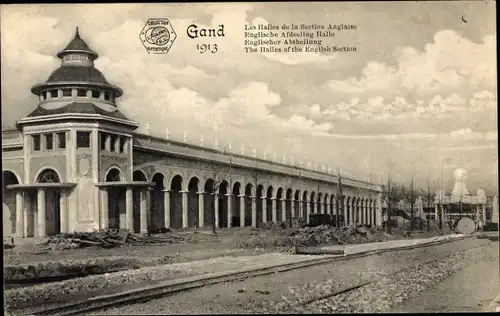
(495,213)
(436,216)
(346,215)
(129,210)
(19,214)
(301,211)
(166,208)
(264,209)
(42,231)
(117,144)
(185,208)
(63,210)
(254,211)
(378,211)
(283,210)
(27,208)
(242,210)
(274,202)
(216,209)
(308,211)
(229,210)
(362,217)
(201,209)
(483,209)
(104,208)
(144,210)
(107,142)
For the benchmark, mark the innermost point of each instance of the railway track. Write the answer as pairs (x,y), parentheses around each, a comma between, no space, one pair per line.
(175,286)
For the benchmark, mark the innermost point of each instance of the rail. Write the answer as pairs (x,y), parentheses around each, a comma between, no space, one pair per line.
(185,284)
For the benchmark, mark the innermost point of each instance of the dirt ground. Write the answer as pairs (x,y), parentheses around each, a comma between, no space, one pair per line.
(194,245)
(245,296)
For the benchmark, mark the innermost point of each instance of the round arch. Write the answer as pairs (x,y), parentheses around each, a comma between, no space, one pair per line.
(115,172)
(44,169)
(12,175)
(139,175)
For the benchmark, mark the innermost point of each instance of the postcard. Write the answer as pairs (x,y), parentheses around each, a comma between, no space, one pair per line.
(265,157)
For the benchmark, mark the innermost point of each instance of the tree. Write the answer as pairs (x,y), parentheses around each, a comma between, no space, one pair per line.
(391,194)
(409,196)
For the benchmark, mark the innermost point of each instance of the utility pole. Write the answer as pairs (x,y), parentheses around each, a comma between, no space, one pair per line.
(340,202)
(428,215)
(412,202)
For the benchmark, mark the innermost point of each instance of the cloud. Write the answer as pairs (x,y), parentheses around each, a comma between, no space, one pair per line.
(445,73)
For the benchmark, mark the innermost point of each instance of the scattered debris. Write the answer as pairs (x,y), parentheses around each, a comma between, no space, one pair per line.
(106,239)
(262,292)
(272,235)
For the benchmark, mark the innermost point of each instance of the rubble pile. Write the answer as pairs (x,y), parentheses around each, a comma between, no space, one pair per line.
(329,235)
(273,235)
(108,238)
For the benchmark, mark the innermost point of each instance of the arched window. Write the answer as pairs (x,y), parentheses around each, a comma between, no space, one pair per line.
(48,176)
(113,176)
(9,177)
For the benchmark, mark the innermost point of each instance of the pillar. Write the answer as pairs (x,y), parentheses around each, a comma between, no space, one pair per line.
(107,142)
(27,208)
(284,209)
(301,206)
(308,212)
(19,214)
(216,209)
(242,210)
(362,215)
(346,215)
(63,209)
(264,209)
(42,231)
(495,213)
(166,208)
(117,145)
(229,210)
(436,215)
(378,211)
(129,210)
(483,209)
(184,208)
(254,211)
(104,209)
(274,206)
(201,209)
(144,210)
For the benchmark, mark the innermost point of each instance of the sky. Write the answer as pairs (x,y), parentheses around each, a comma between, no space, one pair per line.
(417,98)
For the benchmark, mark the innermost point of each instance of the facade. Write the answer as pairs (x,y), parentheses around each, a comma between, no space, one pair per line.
(76,164)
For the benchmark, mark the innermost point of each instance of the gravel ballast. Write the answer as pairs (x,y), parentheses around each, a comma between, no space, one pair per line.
(278,293)
(78,288)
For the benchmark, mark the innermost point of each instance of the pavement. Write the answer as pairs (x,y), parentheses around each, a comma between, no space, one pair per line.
(358,248)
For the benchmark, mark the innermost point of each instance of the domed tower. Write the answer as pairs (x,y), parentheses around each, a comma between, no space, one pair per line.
(77,80)
(78,133)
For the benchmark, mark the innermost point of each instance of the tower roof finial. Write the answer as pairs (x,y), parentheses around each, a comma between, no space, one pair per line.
(77,34)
